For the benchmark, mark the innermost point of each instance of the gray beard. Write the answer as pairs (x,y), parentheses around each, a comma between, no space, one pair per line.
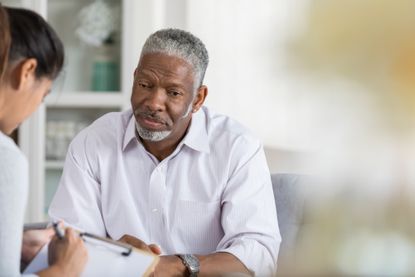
(157,135)
(151,135)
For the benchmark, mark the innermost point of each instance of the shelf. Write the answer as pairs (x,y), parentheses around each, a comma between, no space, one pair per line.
(56,165)
(76,101)
(11,3)
(85,99)
(87,66)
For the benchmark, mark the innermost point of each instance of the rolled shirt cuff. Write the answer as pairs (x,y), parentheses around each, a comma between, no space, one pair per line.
(254,256)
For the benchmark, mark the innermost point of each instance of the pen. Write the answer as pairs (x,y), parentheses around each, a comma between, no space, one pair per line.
(36,226)
(59,232)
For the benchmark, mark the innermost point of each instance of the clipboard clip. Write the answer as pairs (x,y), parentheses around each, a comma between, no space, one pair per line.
(127,249)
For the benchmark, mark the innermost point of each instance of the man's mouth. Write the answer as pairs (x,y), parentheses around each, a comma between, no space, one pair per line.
(150,122)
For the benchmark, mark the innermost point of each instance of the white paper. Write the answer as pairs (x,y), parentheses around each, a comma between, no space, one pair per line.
(102,261)
(39,262)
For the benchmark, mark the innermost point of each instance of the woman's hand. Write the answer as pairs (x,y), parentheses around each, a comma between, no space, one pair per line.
(69,254)
(33,240)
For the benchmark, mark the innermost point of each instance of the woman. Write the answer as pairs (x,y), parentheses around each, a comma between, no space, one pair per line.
(31,56)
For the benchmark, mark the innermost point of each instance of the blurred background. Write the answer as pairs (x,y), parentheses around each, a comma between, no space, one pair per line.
(328,86)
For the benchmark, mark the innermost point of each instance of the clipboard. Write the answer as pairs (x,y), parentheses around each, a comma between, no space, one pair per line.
(106,257)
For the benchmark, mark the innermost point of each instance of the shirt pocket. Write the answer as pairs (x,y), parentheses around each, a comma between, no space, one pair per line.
(197,226)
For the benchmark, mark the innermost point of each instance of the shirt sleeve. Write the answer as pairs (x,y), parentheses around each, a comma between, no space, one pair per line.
(78,198)
(13,197)
(249,217)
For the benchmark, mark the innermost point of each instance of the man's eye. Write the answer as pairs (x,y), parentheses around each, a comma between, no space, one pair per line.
(174,93)
(143,85)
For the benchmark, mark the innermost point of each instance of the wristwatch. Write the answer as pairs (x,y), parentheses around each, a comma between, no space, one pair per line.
(191,262)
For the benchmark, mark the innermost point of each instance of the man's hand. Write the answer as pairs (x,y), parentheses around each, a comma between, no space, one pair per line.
(33,240)
(139,244)
(169,266)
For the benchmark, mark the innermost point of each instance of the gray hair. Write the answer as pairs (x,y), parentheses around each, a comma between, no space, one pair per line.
(181,44)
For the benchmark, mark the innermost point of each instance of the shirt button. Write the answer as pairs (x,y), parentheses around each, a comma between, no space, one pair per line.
(154,210)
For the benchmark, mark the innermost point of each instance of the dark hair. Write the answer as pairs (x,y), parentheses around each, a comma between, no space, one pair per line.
(4,40)
(33,37)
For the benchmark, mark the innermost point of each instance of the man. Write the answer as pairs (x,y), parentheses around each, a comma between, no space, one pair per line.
(173,173)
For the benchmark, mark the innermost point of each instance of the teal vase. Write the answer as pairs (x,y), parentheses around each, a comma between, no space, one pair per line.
(105,70)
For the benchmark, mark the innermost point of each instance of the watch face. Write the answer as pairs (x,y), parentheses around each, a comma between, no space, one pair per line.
(192,262)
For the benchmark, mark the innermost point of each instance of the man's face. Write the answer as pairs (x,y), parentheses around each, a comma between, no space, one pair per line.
(162,96)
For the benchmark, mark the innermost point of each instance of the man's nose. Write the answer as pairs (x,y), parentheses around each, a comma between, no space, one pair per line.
(156,100)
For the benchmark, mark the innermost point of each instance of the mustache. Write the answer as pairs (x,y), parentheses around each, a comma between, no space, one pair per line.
(150,115)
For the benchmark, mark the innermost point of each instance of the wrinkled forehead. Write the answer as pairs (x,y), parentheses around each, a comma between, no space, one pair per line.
(165,64)
(164,67)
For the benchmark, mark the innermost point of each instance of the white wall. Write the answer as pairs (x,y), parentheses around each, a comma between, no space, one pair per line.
(247,76)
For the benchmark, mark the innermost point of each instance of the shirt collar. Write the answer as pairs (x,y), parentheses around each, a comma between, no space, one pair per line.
(196,137)
(129,132)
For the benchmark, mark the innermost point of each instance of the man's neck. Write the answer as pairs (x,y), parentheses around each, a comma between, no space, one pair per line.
(164,148)
(160,149)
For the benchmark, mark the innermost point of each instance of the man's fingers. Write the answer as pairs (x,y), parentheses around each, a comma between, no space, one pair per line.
(135,242)
(155,249)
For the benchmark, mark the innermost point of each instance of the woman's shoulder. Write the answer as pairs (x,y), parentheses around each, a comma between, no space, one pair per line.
(13,170)
(11,156)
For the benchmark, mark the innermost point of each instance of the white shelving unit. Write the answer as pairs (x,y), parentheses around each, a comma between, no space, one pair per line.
(74,101)
(85,99)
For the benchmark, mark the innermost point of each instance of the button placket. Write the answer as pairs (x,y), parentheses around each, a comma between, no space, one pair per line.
(157,198)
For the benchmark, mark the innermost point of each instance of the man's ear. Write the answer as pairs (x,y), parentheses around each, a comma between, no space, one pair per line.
(23,74)
(200,97)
